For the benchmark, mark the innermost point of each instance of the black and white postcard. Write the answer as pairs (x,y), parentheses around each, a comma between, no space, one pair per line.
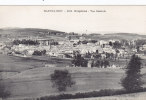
(72,52)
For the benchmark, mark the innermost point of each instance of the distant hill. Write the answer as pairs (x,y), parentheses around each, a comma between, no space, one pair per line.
(27,32)
(127,36)
(119,36)
(131,34)
(35,30)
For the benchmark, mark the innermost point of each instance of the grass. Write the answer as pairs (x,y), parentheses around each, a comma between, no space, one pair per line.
(33,83)
(12,64)
(31,78)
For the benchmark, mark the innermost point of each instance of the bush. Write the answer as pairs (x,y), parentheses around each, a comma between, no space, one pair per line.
(106,92)
(39,53)
(62,79)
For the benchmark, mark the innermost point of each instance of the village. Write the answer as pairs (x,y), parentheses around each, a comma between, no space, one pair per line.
(102,53)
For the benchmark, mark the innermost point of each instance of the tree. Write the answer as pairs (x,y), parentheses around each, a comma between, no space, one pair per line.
(97,63)
(117,45)
(132,81)
(39,53)
(78,60)
(106,63)
(144,52)
(88,55)
(62,79)
(25,42)
(84,42)
(124,42)
(93,41)
(140,42)
(97,51)
(138,48)
(110,43)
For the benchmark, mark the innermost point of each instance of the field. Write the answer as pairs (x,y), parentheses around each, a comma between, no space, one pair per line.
(29,78)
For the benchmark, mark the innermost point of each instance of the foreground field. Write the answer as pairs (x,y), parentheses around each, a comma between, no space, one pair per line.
(36,82)
(26,78)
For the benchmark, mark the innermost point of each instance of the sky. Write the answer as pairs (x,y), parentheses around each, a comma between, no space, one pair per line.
(130,19)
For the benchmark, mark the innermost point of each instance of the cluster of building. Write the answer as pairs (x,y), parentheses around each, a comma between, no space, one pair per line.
(65,48)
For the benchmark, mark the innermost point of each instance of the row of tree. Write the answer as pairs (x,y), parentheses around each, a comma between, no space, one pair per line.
(79,61)
(31,42)
(25,42)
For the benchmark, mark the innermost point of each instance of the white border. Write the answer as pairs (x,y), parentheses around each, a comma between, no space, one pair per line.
(73,2)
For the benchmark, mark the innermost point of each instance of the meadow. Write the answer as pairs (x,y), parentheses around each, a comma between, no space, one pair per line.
(30,78)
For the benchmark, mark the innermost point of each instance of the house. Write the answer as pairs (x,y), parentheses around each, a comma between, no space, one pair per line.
(103,56)
(143,47)
(2,45)
(109,50)
(61,56)
(89,65)
(101,42)
(28,52)
(112,66)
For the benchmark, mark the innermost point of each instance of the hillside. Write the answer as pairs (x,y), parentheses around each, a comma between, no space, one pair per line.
(26,32)
(128,36)
(118,36)
(35,30)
